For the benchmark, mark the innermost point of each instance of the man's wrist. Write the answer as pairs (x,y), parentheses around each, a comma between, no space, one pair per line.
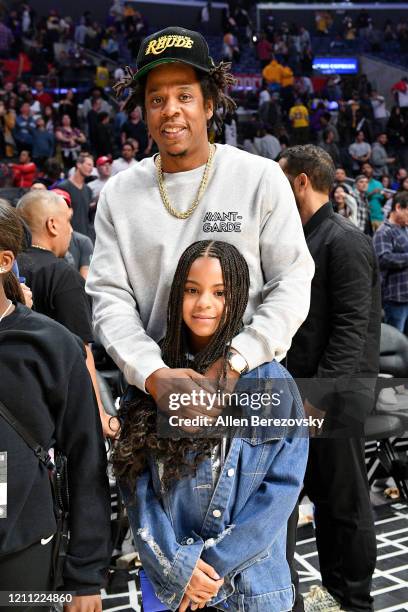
(150,384)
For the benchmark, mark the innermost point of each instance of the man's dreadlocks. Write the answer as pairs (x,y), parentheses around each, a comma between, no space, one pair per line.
(213,86)
(180,457)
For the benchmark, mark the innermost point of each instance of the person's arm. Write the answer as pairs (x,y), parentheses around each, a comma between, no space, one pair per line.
(116,316)
(366,156)
(105,418)
(351,152)
(288,270)
(387,257)
(85,254)
(80,137)
(378,158)
(79,437)
(263,518)
(59,135)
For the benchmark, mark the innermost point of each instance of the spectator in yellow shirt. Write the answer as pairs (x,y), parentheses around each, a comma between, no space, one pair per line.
(299,118)
(102,75)
(272,73)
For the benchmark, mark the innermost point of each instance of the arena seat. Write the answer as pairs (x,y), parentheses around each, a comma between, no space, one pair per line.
(386,428)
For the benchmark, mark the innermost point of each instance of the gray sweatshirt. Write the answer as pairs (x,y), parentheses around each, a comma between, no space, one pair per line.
(249,203)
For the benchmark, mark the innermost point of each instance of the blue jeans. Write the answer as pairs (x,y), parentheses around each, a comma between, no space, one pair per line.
(396,314)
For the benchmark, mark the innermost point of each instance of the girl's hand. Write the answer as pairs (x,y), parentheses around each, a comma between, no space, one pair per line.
(187,603)
(204,585)
(84,603)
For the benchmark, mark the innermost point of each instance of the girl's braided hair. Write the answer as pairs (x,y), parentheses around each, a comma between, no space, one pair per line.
(181,456)
(214,85)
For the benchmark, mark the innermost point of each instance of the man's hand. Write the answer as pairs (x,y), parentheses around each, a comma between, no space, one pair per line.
(182,383)
(204,585)
(84,603)
(154,383)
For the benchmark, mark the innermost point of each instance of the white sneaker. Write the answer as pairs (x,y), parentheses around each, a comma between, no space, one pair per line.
(318,599)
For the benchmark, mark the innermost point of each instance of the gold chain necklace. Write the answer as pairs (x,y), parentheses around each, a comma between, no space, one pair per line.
(37,246)
(203,186)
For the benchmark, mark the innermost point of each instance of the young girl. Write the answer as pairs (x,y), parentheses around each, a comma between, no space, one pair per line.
(210,526)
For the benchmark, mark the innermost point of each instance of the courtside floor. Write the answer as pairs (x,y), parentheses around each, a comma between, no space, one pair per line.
(390,584)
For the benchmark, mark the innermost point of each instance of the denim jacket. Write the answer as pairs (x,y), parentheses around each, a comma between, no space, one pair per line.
(239,527)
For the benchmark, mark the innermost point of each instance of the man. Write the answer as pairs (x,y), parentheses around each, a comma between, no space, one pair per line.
(81,194)
(329,145)
(363,210)
(379,156)
(374,196)
(104,168)
(96,94)
(391,247)
(327,124)
(264,51)
(177,114)
(272,73)
(102,76)
(25,125)
(43,143)
(400,91)
(360,151)
(299,119)
(379,110)
(148,214)
(44,98)
(268,145)
(92,121)
(338,342)
(400,175)
(58,289)
(103,137)
(135,129)
(340,178)
(127,160)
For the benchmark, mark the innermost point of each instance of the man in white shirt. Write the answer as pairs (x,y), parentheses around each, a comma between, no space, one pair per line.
(379,110)
(360,151)
(140,236)
(127,160)
(104,167)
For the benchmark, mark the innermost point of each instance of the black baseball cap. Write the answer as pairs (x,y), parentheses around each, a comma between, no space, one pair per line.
(173,45)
